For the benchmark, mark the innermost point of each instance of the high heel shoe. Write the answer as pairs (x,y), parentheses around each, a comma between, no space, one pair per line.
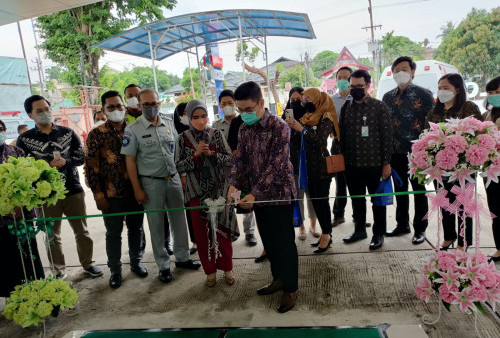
(320,249)
(445,248)
(315,244)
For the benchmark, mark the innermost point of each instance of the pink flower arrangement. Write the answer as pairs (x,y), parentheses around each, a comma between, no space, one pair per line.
(458,148)
(456,277)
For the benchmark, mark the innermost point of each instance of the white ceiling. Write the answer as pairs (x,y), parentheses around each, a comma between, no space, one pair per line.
(17,10)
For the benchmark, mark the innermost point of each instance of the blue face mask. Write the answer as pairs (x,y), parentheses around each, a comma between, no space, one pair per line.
(3,137)
(494,100)
(343,85)
(250,118)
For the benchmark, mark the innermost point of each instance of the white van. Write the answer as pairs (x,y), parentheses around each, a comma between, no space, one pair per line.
(427,74)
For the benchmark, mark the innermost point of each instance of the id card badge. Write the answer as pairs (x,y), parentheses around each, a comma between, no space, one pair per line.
(56,153)
(364,131)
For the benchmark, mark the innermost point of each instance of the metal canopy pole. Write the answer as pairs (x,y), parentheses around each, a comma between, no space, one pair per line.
(242,56)
(152,60)
(267,72)
(191,76)
(202,84)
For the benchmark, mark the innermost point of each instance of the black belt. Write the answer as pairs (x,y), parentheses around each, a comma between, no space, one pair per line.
(160,178)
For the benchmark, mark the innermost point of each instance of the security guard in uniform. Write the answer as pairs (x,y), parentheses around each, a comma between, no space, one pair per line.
(132,98)
(148,144)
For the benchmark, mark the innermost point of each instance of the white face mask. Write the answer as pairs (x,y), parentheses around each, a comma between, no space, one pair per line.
(45,117)
(3,137)
(445,95)
(185,120)
(132,102)
(116,115)
(99,123)
(402,78)
(228,110)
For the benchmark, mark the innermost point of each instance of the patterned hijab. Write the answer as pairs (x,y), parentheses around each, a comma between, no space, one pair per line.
(190,108)
(324,109)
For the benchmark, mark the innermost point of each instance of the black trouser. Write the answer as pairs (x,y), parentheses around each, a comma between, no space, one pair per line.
(450,220)
(11,263)
(358,180)
(275,223)
(493,196)
(320,188)
(399,163)
(340,190)
(114,227)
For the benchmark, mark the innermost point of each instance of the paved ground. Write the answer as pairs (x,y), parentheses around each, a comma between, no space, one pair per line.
(346,286)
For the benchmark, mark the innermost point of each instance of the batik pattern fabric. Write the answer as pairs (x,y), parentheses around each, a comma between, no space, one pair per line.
(206,177)
(468,109)
(408,109)
(263,160)
(105,167)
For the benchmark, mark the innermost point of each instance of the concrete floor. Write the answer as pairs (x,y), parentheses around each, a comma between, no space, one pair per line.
(348,285)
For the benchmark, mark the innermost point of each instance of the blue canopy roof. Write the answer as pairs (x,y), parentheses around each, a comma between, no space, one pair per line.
(179,33)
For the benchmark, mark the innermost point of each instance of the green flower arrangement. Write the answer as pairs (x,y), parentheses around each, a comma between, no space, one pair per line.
(30,303)
(26,182)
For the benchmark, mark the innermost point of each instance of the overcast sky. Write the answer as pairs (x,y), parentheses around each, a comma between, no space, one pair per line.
(337,23)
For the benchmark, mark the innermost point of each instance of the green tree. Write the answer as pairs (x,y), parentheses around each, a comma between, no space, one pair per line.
(322,61)
(186,81)
(297,76)
(142,76)
(474,46)
(53,73)
(393,47)
(68,35)
(446,30)
(249,55)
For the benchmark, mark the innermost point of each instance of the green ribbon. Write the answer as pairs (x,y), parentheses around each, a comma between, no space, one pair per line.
(206,207)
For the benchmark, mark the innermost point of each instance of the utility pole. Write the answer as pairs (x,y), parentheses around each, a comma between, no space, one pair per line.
(39,60)
(24,54)
(306,61)
(373,46)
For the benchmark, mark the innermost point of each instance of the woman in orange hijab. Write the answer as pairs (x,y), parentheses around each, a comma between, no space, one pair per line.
(318,123)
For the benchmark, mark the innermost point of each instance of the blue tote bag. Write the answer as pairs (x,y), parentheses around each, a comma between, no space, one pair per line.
(385,187)
(303,184)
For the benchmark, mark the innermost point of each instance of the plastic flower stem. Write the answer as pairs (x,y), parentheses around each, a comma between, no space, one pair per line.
(477,219)
(432,322)
(47,240)
(29,244)
(19,247)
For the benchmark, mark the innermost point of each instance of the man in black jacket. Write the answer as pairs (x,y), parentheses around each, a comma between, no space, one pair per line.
(61,148)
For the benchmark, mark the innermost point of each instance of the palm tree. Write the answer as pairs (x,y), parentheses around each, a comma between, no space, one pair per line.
(446,30)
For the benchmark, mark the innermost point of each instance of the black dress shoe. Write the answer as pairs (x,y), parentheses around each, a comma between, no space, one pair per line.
(355,236)
(192,251)
(320,249)
(493,259)
(377,241)
(234,238)
(288,300)
(189,264)
(337,221)
(139,270)
(418,238)
(260,259)
(251,240)
(170,249)
(269,289)
(399,230)
(115,281)
(165,276)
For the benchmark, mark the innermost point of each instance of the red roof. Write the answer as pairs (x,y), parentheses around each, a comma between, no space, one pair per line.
(345,59)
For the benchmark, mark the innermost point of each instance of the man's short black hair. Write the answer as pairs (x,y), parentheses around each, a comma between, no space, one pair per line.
(226,92)
(108,94)
(130,86)
(400,59)
(248,91)
(360,73)
(343,68)
(21,127)
(28,103)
